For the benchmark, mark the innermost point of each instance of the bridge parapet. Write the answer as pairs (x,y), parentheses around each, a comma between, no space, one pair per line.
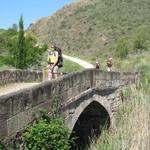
(16,109)
(18,75)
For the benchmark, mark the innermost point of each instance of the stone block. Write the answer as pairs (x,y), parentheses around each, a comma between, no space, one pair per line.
(24,118)
(20,102)
(3,129)
(12,125)
(65,96)
(5,107)
(38,95)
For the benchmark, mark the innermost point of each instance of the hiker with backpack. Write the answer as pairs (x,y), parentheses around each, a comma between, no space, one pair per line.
(109,64)
(60,58)
(97,65)
(55,61)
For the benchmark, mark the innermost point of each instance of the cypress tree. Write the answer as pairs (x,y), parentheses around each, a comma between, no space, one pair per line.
(21,57)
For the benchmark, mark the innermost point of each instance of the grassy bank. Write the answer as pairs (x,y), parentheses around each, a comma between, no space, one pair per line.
(132,130)
(70,66)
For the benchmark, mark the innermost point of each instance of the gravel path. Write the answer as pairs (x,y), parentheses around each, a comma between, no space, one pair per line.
(13,87)
(83,63)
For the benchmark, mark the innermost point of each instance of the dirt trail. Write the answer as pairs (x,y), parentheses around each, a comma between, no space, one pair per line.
(83,63)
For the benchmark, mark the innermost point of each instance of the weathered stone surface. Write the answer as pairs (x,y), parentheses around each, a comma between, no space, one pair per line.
(3,129)
(75,91)
(16,75)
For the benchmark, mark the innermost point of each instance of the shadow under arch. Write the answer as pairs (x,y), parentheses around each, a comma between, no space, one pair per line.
(90,123)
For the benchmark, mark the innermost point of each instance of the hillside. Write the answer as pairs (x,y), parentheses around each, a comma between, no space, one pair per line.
(93,26)
(96,29)
(92,29)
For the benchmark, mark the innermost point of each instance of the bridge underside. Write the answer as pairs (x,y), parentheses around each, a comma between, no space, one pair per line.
(90,124)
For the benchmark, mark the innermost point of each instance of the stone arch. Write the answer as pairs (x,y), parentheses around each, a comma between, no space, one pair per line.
(93,117)
(76,111)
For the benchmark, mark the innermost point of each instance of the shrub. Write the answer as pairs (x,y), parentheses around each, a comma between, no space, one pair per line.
(139,41)
(1,146)
(122,48)
(47,134)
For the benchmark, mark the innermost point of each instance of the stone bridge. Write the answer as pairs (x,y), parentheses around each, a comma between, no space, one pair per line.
(87,99)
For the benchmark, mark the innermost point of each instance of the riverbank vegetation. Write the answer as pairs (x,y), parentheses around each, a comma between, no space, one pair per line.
(132,122)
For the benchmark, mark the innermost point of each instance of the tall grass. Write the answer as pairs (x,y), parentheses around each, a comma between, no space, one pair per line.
(139,62)
(132,124)
(70,66)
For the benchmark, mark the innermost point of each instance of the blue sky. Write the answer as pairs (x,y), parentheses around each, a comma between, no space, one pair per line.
(32,10)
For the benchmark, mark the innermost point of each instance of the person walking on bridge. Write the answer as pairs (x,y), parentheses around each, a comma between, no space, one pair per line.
(97,64)
(109,64)
(52,61)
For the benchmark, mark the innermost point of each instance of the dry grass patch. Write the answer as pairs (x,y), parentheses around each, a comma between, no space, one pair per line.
(132,131)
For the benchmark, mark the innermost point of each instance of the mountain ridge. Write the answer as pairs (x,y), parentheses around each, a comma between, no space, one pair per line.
(93,27)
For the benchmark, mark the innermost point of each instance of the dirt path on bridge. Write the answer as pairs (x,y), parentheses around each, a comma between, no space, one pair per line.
(13,87)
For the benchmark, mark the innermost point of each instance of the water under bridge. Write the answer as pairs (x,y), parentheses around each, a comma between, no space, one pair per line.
(88,100)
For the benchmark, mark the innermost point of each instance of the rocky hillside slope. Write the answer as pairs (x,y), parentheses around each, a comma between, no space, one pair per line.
(93,26)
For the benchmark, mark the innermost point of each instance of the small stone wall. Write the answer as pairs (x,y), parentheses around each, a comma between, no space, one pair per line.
(16,109)
(13,76)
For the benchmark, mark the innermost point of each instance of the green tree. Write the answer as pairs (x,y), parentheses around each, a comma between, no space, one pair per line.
(10,51)
(8,47)
(34,51)
(21,56)
(15,27)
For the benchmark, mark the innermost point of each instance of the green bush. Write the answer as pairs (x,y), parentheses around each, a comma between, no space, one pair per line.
(122,48)
(47,134)
(1,146)
(140,39)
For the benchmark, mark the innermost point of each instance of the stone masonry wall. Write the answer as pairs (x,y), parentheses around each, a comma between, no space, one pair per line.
(16,109)
(13,76)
